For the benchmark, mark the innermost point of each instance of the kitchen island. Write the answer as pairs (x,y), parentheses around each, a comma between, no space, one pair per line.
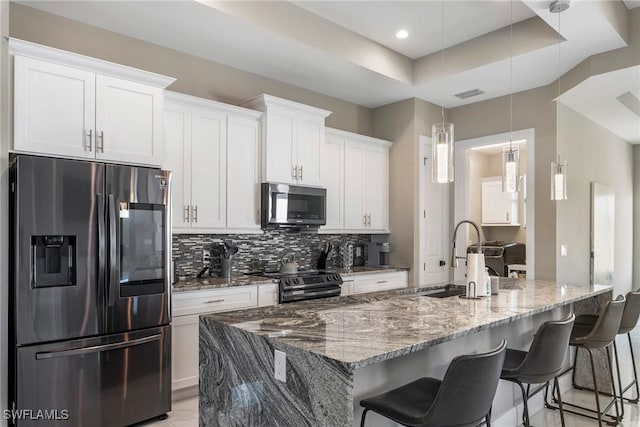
(339,350)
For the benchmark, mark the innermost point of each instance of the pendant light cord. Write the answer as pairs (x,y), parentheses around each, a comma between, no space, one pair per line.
(511,77)
(558,100)
(442,58)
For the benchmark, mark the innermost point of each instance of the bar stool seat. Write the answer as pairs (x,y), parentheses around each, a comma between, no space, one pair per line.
(462,399)
(542,363)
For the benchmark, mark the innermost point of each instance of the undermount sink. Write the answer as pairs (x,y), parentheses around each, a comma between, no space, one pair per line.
(450,290)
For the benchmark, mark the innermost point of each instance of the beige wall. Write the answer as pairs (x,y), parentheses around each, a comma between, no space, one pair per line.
(636,217)
(531,109)
(195,76)
(593,154)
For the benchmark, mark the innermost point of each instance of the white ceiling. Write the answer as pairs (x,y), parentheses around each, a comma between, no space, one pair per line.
(347,49)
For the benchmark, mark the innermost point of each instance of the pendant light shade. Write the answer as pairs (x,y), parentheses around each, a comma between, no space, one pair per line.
(442,140)
(559,180)
(510,169)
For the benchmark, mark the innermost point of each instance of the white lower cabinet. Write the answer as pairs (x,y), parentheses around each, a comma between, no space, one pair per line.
(346,288)
(267,295)
(374,282)
(187,308)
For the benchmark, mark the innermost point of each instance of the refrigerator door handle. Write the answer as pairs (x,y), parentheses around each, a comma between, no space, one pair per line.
(96,348)
(113,252)
(102,248)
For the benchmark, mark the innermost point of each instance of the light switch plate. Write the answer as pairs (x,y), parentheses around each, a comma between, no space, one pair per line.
(280,365)
(563,250)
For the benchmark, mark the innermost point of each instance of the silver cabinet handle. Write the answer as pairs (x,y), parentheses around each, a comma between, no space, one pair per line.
(213,301)
(294,172)
(300,173)
(507,216)
(194,215)
(185,217)
(382,281)
(101,138)
(369,220)
(90,135)
(364,219)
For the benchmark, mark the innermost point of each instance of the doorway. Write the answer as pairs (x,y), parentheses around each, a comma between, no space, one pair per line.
(478,171)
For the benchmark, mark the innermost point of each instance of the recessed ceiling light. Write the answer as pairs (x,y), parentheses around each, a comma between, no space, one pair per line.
(402,34)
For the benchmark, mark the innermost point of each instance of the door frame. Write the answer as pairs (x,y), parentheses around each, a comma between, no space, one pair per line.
(461,189)
(423,180)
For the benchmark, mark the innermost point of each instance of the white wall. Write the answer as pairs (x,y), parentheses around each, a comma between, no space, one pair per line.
(636,217)
(593,154)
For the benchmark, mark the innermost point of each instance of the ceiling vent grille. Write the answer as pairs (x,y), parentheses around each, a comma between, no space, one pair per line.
(469,93)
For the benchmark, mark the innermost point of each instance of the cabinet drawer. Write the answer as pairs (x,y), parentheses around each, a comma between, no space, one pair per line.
(379,282)
(227,299)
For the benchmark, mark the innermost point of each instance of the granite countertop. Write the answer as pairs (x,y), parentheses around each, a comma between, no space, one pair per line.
(195,284)
(364,329)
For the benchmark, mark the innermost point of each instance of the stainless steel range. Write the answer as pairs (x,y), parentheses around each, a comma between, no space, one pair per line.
(305,285)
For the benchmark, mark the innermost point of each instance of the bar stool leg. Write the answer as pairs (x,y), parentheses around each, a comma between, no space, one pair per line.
(525,398)
(635,373)
(595,385)
(615,352)
(487,419)
(557,388)
(364,415)
(613,383)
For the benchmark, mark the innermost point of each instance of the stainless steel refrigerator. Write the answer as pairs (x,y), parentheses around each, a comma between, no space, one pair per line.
(89,292)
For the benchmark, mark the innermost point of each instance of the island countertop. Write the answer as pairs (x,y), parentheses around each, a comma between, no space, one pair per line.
(365,329)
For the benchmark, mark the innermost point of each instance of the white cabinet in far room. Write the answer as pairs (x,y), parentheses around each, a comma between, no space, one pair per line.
(375,282)
(358,167)
(69,105)
(292,137)
(213,152)
(498,207)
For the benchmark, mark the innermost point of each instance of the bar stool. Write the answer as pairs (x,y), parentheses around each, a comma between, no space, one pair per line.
(462,399)
(629,321)
(542,363)
(590,337)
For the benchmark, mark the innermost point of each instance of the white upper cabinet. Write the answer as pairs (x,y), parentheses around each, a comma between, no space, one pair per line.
(355,171)
(293,136)
(243,179)
(54,108)
(213,151)
(70,105)
(498,207)
(128,121)
(332,178)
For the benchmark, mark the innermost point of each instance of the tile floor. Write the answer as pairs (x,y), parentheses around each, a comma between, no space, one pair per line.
(185,412)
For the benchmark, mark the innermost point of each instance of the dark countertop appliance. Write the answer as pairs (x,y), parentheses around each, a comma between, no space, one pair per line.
(499,255)
(293,206)
(89,294)
(304,285)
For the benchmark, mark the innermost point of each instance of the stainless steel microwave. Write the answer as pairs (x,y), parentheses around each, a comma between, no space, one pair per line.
(284,205)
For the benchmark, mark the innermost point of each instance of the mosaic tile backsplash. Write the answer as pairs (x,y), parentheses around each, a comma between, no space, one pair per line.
(263,251)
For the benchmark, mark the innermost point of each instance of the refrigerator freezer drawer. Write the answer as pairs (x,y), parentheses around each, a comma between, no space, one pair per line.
(114,380)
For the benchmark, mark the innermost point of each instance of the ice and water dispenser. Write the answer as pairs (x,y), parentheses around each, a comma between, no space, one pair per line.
(53,261)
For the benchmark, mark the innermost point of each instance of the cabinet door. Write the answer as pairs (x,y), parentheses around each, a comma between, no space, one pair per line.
(128,121)
(279,149)
(377,183)
(54,109)
(184,352)
(177,134)
(310,132)
(496,205)
(243,179)
(208,169)
(267,295)
(332,178)
(354,184)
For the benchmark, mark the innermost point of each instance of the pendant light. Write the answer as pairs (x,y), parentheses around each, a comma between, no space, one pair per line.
(442,137)
(559,167)
(510,154)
